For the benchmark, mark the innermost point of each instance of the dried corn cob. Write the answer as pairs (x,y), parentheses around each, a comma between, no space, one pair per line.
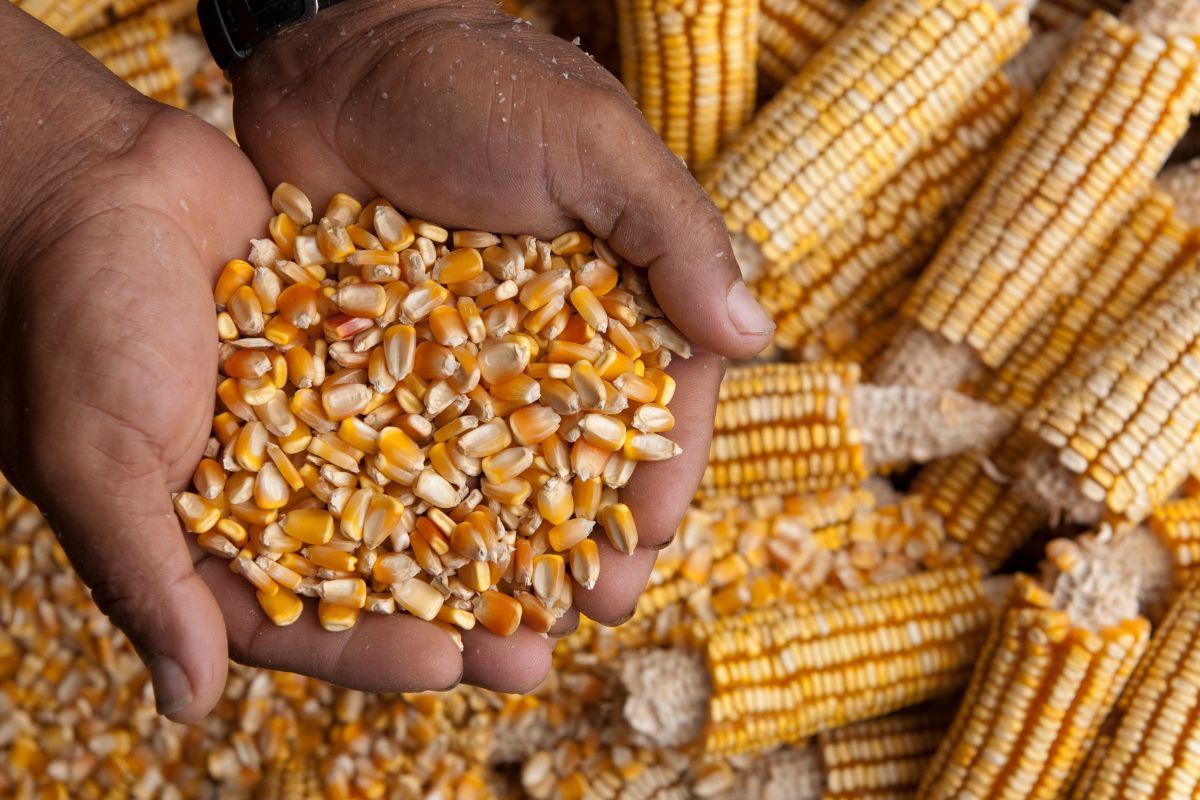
(1177,525)
(387,430)
(690,67)
(1145,750)
(1084,153)
(127,35)
(784,428)
(791,31)
(1118,441)
(1052,669)
(780,674)
(883,758)
(973,493)
(853,117)
(896,230)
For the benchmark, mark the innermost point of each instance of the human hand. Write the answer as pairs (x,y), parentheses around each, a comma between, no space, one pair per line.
(118,214)
(457,113)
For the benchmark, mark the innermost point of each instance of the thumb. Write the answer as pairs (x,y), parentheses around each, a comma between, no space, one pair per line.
(125,542)
(631,190)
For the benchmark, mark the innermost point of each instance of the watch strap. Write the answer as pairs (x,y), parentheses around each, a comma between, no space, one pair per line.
(233,28)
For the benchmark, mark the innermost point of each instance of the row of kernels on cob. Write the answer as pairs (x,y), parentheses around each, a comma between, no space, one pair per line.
(853,117)
(691,67)
(780,674)
(896,229)
(786,428)
(1085,151)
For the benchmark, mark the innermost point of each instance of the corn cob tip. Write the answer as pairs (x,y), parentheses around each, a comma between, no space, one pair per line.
(1101,580)
(1164,17)
(1182,183)
(920,357)
(1047,484)
(912,424)
(667,695)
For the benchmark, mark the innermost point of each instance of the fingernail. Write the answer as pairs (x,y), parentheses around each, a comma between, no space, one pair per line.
(748,316)
(172,691)
(621,620)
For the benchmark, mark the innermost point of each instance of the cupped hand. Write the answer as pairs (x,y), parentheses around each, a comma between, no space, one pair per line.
(460,114)
(117,217)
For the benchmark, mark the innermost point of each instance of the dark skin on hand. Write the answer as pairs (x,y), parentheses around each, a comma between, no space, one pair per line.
(118,214)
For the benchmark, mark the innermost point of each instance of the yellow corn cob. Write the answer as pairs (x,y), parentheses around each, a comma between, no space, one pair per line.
(977,506)
(1084,153)
(791,31)
(783,428)
(976,502)
(1177,525)
(125,35)
(784,673)
(853,117)
(1146,748)
(1043,685)
(689,64)
(883,758)
(895,231)
(1118,441)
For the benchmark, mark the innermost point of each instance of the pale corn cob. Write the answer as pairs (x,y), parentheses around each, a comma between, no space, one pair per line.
(883,758)
(1044,682)
(691,68)
(1146,748)
(791,31)
(896,229)
(973,493)
(812,653)
(783,428)
(1118,441)
(853,117)
(780,674)
(1085,151)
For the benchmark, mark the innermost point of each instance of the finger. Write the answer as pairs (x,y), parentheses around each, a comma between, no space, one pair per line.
(630,189)
(622,580)
(567,624)
(660,491)
(516,663)
(128,547)
(381,653)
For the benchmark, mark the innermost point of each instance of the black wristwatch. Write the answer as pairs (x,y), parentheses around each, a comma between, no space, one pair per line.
(233,28)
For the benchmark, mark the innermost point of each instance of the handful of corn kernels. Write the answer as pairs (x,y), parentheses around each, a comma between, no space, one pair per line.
(416,421)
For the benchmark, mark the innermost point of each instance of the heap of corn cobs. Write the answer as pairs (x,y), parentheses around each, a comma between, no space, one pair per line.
(947,539)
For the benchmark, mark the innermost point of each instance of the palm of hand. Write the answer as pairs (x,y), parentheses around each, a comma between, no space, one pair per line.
(466,117)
